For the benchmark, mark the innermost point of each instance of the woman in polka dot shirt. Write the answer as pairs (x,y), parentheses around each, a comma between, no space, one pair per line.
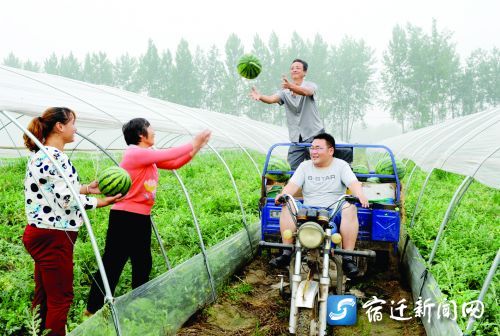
(53,216)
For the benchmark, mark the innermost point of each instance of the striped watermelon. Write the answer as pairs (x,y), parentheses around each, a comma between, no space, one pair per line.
(114,180)
(361,169)
(278,165)
(384,167)
(249,66)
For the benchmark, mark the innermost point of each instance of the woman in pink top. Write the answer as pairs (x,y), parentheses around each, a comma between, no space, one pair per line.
(129,230)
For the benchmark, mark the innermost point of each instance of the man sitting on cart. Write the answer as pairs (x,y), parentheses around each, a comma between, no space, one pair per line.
(323,180)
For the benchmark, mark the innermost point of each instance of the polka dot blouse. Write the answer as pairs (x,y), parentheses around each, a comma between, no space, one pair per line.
(49,203)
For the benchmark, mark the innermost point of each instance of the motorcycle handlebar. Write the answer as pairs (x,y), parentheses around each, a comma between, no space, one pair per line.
(281,200)
(351,199)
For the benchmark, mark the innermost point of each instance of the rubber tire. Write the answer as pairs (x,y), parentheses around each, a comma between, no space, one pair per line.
(304,318)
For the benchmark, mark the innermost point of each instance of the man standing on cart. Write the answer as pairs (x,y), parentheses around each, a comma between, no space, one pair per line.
(302,116)
(323,180)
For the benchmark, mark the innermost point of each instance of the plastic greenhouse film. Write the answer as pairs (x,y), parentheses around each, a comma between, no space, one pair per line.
(162,305)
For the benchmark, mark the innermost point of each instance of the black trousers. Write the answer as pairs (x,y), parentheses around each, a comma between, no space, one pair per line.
(128,236)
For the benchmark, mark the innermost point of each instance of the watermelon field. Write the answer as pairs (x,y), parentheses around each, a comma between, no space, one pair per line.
(213,198)
(462,261)
(469,244)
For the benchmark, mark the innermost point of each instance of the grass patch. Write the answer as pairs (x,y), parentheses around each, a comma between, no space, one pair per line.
(469,244)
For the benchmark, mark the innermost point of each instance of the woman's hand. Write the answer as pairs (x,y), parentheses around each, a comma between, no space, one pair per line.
(93,188)
(200,140)
(102,202)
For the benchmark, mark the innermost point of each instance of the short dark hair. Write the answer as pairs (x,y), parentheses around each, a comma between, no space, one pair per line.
(304,63)
(330,141)
(133,129)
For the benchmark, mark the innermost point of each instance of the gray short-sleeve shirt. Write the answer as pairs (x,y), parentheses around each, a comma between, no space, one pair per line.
(323,186)
(302,114)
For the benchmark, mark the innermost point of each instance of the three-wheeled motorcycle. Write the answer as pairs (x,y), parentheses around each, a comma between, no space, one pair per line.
(315,271)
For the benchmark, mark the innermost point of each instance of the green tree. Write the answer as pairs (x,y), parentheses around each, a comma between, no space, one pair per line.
(149,73)
(320,72)
(51,65)
(70,67)
(187,87)
(420,76)
(480,82)
(445,64)
(352,85)
(298,48)
(31,66)
(167,70)
(215,73)
(233,90)
(12,61)
(396,75)
(264,82)
(124,73)
(98,69)
(278,66)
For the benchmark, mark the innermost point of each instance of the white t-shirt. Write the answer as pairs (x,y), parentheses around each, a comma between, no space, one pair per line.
(323,186)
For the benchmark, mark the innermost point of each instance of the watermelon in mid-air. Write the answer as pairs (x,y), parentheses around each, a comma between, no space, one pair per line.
(114,180)
(249,66)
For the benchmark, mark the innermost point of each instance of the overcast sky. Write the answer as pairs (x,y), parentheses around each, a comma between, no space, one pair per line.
(34,29)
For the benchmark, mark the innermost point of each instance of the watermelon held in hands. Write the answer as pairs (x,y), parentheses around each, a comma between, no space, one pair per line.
(113,181)
(249,66)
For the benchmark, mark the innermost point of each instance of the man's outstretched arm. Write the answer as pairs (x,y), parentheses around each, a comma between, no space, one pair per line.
(265,99)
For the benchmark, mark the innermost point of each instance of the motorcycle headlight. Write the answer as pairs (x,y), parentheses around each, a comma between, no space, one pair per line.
(311,235)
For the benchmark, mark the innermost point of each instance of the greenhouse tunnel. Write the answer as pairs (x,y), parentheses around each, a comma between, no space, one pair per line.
(101,111)
(466,146)
(470,148)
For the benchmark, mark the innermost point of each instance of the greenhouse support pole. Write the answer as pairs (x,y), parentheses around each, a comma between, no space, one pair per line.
(408,181)
(484,289)
(420,197)
(109,297)
(209,124)
(105,151)
(457,196)
(79,143)
(12,140)
(160,242)
(188,132)
(237,195)
(200,237)
(416,208)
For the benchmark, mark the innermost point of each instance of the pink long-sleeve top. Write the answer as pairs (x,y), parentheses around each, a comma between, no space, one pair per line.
(142,165)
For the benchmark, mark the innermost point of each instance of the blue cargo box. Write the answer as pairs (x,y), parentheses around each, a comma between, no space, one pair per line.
(270,218)
(385,225)
(365,224)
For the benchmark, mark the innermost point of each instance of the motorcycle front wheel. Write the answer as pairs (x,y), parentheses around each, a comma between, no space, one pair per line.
(307,321)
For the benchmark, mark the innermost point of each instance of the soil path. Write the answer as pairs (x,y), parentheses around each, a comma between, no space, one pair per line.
(251,305)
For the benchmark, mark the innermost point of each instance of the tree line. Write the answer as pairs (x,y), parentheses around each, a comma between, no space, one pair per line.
(420,80)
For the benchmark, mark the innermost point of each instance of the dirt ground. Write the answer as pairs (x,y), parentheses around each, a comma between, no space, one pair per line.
(251,305)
